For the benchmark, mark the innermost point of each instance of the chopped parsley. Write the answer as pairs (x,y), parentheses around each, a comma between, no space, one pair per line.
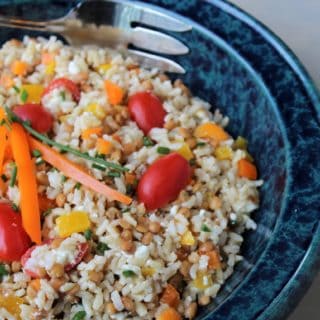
(163,150)
(13,175)
(36,153)
(101,248)
(114,174)
(201,144)
(78,185)
(24,96)
(88,234)
(3,271)
(96,166)
(147,142)
(63,95)
(16,89)
(80,315)
(205,228)
(128,273)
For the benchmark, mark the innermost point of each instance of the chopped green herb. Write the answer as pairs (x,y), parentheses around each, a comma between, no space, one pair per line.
(114,174)
(4,178)
(13,175)
(63,179)
(88,234)
(3,122)
(36,153)
(46,213)
(13,117)
(163,150)
(63,95)
(147,142)
(78,185)
(16,89)
(96,166)
(201,144)
(80,315)
(125,210)
(14,207)
(62,151)
(205,228)
(24,96)
(192,162)
(3,271)
(128,273)
(101,248)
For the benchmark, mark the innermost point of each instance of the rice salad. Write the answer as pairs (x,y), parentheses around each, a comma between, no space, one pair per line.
(105,259)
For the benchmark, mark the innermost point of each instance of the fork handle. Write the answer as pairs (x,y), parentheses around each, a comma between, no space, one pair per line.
(22,24)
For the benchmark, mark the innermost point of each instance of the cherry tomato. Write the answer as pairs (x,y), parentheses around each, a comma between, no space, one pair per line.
(67,84)
(14,241)
(163,181)
(82,249)
(147,111)
(40,119)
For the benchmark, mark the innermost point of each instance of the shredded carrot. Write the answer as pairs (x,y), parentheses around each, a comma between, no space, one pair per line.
(6,81)
(170,296)
(247,170)
(3,187)
(116,137)
(71,170)
(27,182)
(86,134)
(19,68)
(114,92)
(130,178)
(214,260)
(8,156)
(104,147)
(169,314)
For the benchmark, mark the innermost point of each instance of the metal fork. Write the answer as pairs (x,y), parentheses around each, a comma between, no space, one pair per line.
(110,23)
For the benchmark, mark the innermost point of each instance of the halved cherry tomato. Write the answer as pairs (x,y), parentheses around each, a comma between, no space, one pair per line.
(40,119)
(82,249)
(147,111)
(67,84)
(163,181)
(14,241)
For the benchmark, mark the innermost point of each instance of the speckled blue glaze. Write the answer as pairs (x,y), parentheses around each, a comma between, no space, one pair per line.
(251,76)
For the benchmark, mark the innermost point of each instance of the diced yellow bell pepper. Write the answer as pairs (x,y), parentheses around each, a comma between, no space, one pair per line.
(148,271)
(211,130)
(223,153)
(76,221)
(187,239)
(34,92)
(12,304)
(185,151)
(97,110)
(50,68)
(241,143)
(202,281)
(104,67)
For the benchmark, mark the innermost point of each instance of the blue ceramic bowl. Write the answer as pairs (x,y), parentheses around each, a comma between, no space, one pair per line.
(245,70)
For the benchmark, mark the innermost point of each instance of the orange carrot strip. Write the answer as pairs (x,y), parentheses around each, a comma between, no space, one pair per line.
(169,314)
(71,170)
(103,146)
(27,182)
(86,134)
(19,68)
(170,296)
(247,170)
(114,92)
